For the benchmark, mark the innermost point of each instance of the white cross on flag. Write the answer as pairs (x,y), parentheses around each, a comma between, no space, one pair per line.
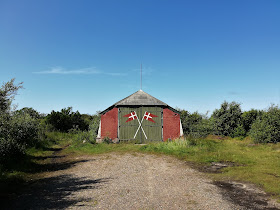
(149,116)
(131,116)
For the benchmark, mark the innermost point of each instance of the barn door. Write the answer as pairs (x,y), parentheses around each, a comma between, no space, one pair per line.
(149,117)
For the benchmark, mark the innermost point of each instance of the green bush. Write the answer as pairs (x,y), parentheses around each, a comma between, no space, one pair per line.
(195,124)
(87,136)
(18,130)
(239,131)
(31,112)
(266,129)
(226,119)
(17,133)
(24,129)
(107,140)
(202,129)
(66,119)
(7,93)
(94,126)
(249,117)
(83,137)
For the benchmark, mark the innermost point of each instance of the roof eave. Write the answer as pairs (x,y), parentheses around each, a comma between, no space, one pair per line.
(163,106)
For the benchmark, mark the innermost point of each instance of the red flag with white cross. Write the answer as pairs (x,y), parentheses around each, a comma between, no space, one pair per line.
(149,116)
(131,116)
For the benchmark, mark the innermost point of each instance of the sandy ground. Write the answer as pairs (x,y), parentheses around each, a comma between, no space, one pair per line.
(127,181)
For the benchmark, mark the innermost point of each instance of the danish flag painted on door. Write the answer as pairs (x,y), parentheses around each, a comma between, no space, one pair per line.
(149,116)
(142,118)
(131,116)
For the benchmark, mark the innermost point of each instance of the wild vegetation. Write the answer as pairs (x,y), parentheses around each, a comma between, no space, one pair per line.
(18,130)
(27,128)
(248,141)
(229,120)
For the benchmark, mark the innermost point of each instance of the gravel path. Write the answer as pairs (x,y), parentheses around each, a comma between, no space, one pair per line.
(148,182)
(129,181)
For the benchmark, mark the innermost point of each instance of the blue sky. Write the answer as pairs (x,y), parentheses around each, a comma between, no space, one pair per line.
(195,54)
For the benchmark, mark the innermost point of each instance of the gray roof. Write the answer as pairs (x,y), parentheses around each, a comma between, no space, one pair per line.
(139,98)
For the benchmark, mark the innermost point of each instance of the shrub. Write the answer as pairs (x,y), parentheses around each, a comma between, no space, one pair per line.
(87,136)
(226,119)
(17,133)
(249,117)
(107,140)
(189,121)
(195,124)
(83,136)
(266,129)
(31,112)
(18,130)
(66,119)
(94,125)
(202,129)
(239,131)
(7,93)
(24,129)
(10,149)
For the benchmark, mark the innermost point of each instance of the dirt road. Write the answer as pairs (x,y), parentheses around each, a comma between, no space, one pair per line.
(128,181)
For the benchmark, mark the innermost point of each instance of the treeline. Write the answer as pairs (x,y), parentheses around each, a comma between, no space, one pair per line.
(25,128)
(263,126)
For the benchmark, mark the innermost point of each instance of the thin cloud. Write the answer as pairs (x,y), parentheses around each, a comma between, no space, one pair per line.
(116,74)
(60,70)
(91,70)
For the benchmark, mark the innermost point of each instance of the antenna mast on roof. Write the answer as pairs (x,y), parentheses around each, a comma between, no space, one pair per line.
(141,77)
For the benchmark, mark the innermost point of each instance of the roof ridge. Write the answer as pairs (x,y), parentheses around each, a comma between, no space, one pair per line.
(153,97)
(125,98)
(139,98)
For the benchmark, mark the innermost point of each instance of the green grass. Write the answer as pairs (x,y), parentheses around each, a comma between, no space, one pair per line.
(258,164)
(254,163)
(15,174)
(91,149)
(25,166)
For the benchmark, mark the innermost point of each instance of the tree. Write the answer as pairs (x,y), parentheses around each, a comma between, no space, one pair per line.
(17,130)
(249,117)
(195,124)
(227,119)
(266,129)
(7,93)
(66,119)
(29,111)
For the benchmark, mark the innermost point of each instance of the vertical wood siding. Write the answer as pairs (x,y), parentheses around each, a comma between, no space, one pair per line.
(152,130)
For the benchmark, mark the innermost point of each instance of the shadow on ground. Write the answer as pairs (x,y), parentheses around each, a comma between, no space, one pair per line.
(235,193)
(248,199)
(53,165)
(47,193)
(53,193)
(34,165)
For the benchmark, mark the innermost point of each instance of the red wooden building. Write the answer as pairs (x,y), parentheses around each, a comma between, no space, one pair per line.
(140,117)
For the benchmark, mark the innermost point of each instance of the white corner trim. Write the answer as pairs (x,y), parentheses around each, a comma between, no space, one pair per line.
(181,129)
(99,130)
